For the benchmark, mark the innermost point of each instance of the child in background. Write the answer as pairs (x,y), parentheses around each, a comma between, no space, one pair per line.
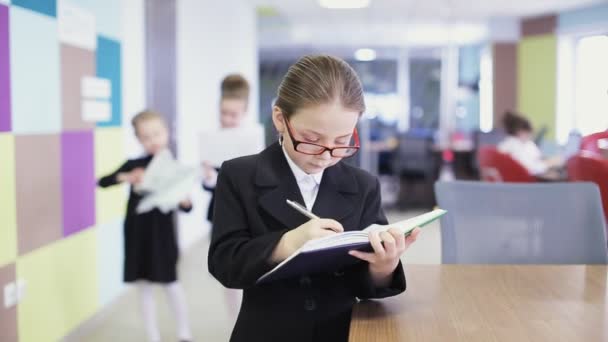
(233,109)
(151,250)
(520,146)
(319,103)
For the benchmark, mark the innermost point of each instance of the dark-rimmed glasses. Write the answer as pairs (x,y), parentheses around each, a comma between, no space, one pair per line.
(316,149)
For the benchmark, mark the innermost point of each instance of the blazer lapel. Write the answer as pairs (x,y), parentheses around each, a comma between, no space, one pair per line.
(277,184)
(336,199)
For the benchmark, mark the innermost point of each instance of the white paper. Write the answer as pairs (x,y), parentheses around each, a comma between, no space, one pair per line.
(166,183)
(94,110)
(225,144)
(358,236)
(95,88)
(76,26)
(10,295)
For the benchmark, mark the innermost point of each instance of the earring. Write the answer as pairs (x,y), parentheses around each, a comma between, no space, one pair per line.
(280,139)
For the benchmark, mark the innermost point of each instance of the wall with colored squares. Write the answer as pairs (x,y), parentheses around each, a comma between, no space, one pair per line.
(60,128)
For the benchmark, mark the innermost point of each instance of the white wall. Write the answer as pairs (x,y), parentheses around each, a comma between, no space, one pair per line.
(110,235)
(133,69)
(214,38)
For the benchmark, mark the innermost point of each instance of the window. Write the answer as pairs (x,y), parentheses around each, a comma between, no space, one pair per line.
(425,92)
(582,85)
(591,85)
(486,91)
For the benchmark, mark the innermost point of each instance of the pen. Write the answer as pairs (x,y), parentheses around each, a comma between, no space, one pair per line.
(297,206)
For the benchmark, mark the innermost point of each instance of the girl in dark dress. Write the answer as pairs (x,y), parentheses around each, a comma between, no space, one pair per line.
(151,251)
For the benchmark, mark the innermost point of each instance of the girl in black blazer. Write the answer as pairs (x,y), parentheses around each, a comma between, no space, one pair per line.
(317,108)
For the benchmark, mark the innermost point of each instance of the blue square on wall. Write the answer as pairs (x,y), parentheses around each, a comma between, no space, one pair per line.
(108,66)
(47,7)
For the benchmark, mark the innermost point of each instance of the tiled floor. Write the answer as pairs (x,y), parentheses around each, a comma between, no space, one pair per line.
(209,315)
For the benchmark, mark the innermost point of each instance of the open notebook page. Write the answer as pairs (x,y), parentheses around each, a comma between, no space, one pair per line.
(361,236)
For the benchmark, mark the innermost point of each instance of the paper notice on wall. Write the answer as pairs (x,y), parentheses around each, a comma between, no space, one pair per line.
(76,26)
(95,88)
(95,110)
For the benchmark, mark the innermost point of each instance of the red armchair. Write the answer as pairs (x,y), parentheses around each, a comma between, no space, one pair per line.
(590,142)
(496,166)
(588,167)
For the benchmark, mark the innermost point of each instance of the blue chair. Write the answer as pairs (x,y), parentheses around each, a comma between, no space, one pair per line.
(508,223)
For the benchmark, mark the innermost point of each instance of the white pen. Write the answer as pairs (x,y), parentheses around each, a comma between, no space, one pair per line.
(297,206)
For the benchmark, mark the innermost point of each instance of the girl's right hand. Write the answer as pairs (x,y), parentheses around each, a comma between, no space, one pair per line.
(295,238)
(208,170)
(209,175)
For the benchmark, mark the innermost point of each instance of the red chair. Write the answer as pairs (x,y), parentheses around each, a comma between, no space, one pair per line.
(588,167)
(590,142)
(496,166)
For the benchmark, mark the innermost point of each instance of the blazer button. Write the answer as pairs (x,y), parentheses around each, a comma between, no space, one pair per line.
(305,281)
(310,304)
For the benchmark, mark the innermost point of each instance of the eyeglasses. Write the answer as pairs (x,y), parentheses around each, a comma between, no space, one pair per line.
(316,149)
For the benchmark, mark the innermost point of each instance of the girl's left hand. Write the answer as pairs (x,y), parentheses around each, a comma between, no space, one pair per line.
(187,203)
(385,258)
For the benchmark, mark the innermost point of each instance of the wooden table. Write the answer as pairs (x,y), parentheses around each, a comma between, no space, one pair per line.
(490,303)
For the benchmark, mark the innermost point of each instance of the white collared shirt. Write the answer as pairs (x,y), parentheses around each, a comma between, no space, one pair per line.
(308,183)
(525,152)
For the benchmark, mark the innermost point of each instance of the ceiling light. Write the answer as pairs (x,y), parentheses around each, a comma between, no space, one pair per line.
(365,55)
(344,4)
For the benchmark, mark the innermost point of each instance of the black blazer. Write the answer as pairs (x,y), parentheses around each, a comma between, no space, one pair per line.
(249,219)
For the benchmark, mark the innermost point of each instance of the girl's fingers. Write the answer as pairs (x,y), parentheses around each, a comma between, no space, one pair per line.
(389,244)
(331,224)
(399,239)
(376,242)
(369,257)
(412,237)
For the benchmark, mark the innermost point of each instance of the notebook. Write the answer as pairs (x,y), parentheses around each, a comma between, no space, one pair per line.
(329,254)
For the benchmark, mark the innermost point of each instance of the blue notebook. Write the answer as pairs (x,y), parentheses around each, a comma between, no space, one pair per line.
(330,253)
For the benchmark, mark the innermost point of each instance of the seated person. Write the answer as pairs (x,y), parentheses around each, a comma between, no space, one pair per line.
(520,146)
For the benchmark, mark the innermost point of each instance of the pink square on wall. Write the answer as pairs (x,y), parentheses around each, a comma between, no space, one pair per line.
(38,185)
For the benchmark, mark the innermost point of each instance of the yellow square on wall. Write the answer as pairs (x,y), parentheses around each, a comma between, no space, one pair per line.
(8,208)
(109,155)
(61,287)
(537,89)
